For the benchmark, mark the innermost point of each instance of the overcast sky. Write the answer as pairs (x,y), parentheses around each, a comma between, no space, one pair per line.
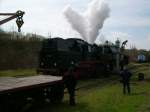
(129,19)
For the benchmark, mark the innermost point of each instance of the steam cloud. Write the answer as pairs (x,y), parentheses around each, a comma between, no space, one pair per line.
(91,21)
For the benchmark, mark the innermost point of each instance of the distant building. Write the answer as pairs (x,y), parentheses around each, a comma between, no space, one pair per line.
(141,58)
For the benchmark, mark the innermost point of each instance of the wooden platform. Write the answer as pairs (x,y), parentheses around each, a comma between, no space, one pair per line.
(11,84)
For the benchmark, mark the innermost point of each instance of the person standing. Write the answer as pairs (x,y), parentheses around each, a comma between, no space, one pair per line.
(70,83)
(126,75)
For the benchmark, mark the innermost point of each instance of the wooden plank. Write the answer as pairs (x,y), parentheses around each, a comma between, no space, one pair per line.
(13,83)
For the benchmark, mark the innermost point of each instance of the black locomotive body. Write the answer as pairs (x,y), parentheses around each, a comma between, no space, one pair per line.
(57,55)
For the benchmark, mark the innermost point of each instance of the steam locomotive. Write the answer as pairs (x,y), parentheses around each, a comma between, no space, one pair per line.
(58,54)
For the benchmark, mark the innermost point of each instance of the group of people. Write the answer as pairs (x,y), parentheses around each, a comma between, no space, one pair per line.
(70,82)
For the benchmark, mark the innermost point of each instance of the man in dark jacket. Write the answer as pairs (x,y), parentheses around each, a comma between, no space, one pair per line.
(126,75)
(70,83)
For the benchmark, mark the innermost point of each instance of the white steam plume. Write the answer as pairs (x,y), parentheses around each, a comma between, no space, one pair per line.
(91,21)
(77,21)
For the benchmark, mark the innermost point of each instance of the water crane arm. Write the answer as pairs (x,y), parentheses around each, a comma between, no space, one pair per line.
(124,43)
(19,15)
(13,15)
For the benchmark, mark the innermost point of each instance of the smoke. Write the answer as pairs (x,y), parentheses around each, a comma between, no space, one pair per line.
(77,21)
(89,23)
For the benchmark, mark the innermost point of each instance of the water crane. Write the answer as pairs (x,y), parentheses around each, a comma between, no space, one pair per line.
(18,15)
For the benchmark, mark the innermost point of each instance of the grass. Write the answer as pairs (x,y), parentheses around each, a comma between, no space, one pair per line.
(102,95)
(108,98)
(105,95)
(18,72)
